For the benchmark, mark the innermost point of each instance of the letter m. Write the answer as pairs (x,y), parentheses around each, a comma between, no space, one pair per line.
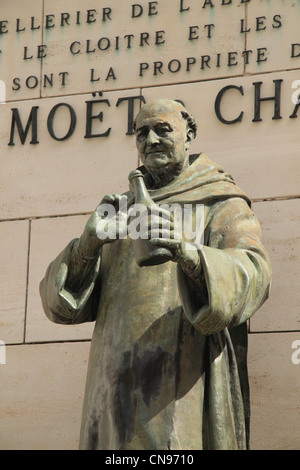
(16,122)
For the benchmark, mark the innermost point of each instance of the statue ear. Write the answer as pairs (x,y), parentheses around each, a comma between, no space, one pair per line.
(190,136)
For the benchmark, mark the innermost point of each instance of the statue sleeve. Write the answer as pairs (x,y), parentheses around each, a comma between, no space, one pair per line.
(236,270)
(70,288)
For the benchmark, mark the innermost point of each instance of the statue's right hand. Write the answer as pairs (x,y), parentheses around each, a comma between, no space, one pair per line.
(106,224)
(112,218)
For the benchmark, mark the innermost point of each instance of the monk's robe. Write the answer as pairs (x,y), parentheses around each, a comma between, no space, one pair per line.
(168,358)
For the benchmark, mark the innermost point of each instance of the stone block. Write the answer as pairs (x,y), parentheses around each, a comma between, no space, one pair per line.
(42,388)
(21,40)
(280,231)
(258,153)
(48,239)
(273,28)
(274,391)
(70,172)
(132,45)
(13,273)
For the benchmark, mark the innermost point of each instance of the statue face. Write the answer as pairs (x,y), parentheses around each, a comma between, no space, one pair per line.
(161,138)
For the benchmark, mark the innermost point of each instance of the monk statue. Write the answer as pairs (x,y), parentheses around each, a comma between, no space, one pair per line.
(168,358)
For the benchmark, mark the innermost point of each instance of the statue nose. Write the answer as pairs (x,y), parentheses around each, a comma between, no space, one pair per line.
(152,138)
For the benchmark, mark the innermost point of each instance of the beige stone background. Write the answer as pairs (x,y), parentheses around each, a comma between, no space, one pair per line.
(48,189)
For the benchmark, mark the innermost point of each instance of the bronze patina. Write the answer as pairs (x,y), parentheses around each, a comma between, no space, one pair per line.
(168,359)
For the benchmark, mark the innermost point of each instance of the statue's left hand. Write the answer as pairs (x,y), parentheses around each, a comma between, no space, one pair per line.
(161,233)
(184,253)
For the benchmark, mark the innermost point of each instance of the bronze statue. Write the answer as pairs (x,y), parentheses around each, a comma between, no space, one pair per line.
(168,359)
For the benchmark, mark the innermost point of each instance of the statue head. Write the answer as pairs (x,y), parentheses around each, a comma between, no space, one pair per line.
(164,131)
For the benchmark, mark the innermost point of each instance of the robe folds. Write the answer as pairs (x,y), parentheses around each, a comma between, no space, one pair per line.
(168,358)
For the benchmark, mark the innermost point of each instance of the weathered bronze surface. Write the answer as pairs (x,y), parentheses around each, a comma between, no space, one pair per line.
(168,360)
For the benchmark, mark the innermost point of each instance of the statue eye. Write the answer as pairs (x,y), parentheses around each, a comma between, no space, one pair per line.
(162,130)
(142,134)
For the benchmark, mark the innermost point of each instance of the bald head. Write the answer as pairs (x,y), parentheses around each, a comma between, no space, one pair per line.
(167,107)
(164,131)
